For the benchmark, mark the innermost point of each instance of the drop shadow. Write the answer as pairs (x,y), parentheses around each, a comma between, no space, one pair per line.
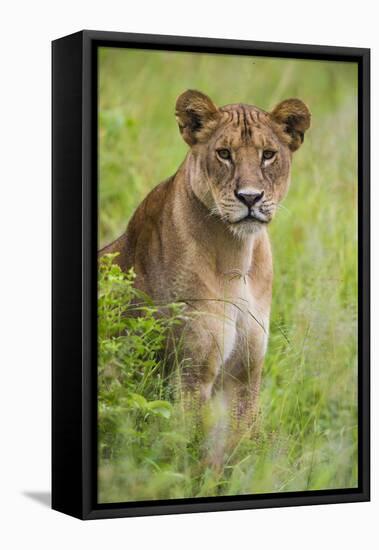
(42,497)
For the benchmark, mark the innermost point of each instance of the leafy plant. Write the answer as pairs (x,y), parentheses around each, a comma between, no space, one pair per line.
(131,356)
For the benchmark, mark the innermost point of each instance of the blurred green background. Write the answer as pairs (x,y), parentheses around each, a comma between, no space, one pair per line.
(308,432)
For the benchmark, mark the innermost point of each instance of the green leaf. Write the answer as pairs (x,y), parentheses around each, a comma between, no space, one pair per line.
(160,408)
(138,401)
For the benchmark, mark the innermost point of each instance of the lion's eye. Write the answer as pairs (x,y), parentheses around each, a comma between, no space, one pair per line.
(268,154)
(224,154)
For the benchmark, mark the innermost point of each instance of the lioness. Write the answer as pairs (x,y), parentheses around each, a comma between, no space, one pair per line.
(201,237)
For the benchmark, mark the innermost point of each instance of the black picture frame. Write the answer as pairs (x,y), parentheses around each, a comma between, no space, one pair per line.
(74,272)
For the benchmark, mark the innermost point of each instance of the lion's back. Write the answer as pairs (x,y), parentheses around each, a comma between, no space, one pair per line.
(142,244)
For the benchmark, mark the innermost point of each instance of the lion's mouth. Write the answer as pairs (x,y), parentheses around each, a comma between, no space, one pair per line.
(251,218)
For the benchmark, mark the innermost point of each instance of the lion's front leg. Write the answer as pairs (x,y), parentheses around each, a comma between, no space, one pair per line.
(199,368)
(204,411)
(206,343)
(241,385)
(243,400)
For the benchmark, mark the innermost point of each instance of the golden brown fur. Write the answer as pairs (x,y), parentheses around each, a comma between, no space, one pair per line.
(201,237)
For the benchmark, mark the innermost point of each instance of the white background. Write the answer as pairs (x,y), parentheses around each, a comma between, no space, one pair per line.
(26,31)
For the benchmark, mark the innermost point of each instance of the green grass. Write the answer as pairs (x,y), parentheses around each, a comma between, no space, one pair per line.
(307,437)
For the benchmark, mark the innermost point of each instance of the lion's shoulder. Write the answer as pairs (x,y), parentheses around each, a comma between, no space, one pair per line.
(152,207)
(140,227)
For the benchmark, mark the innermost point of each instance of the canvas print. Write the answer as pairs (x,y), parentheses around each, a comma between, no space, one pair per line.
(227,275)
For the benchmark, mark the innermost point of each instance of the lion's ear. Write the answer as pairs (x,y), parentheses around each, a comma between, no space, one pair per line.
(196,115)
(295,118)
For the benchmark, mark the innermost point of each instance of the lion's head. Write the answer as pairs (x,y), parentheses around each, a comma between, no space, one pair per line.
(240,156)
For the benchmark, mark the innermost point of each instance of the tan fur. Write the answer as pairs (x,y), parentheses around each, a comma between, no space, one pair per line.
(190,240)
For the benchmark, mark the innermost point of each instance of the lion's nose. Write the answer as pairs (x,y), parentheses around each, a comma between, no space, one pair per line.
(250,198)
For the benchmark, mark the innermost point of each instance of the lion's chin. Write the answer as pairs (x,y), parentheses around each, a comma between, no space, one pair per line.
(246,227)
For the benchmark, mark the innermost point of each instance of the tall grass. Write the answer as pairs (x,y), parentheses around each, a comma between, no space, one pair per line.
(307,438)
